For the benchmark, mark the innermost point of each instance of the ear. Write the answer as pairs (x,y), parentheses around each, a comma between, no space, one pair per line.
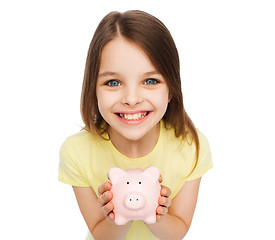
(152,172)
(115,173)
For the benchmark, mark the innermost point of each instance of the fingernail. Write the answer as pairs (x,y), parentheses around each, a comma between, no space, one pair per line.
(106,195)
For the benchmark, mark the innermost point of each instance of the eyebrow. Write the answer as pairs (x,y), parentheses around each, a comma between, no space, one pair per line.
(108,73)
(150,73)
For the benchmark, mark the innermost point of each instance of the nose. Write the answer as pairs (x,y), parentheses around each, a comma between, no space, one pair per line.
(132,96)
(134,201)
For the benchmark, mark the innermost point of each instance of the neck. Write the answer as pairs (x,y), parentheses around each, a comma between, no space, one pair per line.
(136,148)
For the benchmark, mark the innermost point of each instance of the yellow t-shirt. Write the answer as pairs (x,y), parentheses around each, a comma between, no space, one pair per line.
(85,160)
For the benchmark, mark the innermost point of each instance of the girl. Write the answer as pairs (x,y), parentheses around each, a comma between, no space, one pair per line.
(134,117)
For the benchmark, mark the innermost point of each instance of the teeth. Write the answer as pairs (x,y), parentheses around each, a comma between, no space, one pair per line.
(136,116)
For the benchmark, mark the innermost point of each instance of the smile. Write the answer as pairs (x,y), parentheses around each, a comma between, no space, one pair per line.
(133,117)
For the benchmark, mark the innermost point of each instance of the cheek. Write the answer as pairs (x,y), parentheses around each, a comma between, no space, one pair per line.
(161,99)
(102,101)
(163,106)
(106,100)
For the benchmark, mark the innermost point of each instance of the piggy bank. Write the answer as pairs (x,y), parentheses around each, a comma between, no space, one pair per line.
(135,194)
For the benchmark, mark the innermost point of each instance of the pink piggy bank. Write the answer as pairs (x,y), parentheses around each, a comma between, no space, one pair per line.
(135,194)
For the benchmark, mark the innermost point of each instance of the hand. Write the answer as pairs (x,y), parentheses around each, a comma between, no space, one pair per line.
(104,201)
(164,201)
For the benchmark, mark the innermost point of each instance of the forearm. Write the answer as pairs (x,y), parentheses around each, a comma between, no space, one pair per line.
(109,230)
(169,228)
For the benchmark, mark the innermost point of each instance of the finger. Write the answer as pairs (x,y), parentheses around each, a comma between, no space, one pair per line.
(166,202)
(104,198)
(104,187)
(107,208)
(160,178)
(112,216)
(165,191)
(162,210)
(159,217)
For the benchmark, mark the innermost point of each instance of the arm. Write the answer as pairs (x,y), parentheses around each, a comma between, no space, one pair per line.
(180,213)
(100,225)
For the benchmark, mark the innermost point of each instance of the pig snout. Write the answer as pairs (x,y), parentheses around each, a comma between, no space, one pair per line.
(134,201)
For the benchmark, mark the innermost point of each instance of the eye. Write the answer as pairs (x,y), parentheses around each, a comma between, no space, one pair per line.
(113,83)
(151,81)
(139,182)
(127,182)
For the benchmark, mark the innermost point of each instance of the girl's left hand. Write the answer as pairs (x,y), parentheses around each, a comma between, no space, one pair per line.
(164,201)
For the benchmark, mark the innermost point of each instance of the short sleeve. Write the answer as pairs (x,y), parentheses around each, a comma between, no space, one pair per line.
(205,159)
(69,170)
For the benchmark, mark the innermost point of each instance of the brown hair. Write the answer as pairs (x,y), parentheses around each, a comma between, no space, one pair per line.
(156,41)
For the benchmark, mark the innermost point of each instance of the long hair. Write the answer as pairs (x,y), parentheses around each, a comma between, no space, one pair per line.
(154,38)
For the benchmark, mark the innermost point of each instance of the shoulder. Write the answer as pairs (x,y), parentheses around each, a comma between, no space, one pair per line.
(80,142)
(169,133)
(204,162)
(81,138)
(74,156)
(204,148)
(202,139)
(187,145)
(73,142)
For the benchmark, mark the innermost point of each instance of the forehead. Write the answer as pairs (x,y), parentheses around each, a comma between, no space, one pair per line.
(123,56)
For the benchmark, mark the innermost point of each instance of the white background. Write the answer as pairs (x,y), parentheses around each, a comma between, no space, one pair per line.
(227,54)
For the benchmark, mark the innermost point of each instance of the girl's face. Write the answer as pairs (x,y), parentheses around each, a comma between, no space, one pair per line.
(132,96)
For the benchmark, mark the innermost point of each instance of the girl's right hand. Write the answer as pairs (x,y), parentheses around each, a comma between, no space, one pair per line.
(104,201)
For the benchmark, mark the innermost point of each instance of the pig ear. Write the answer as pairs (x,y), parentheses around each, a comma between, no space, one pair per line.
(152,172)
(115,173)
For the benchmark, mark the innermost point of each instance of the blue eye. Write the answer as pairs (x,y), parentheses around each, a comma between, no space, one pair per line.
(151,81)
(113,83)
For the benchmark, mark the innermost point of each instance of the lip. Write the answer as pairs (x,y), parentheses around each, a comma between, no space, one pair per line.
(132,112)
(133,122)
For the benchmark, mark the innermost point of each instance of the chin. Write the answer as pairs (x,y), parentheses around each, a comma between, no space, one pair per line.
(133,137)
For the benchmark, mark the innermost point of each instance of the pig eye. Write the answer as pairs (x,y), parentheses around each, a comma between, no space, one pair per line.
(139,182)
(127,182)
